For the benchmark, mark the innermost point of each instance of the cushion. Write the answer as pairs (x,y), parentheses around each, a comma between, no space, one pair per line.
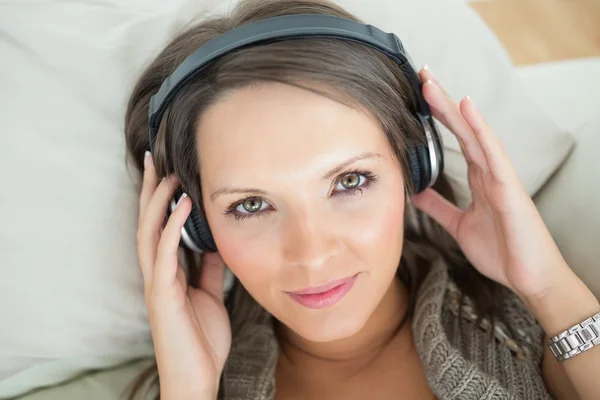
(105,384)
(71,293)
(571,106)
(569,202)
(570,207)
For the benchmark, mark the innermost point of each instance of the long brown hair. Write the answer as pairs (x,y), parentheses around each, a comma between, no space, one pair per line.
(368,80)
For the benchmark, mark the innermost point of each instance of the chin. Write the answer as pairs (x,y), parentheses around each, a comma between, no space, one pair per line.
(331,325)
(324,334)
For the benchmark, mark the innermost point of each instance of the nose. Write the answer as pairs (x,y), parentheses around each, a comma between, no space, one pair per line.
(309,242)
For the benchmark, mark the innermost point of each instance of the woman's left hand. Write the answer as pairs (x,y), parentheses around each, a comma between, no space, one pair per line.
(501,232)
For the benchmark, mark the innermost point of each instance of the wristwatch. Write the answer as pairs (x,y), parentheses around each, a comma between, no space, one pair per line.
(577,339)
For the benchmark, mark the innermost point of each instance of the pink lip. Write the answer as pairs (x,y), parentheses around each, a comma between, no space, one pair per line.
(326,295)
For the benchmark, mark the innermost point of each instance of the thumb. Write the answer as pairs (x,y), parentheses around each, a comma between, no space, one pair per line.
(441,210)
(212,274)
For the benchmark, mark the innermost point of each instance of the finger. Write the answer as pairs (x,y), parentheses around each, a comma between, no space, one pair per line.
(151,223)
(212,274)
(441,210)
(426,76)
(149,183)
(448,113)
(497,160)
(166,254)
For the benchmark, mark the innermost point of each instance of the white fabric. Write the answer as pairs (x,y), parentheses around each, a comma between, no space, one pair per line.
(71,295)
(106,384)
(570,206)
(568,90)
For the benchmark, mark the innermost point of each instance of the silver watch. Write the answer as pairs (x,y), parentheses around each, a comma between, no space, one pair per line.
(577,339)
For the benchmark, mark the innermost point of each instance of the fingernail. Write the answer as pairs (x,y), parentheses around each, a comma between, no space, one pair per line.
(183,196)
(469,98)
(426,68)
(146,156)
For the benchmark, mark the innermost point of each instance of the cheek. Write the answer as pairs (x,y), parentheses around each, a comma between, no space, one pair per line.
(378,232)
(254,263)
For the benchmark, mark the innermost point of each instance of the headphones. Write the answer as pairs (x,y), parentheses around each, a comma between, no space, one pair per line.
(425,160)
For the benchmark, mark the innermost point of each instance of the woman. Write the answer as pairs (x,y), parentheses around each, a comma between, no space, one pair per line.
(295,153)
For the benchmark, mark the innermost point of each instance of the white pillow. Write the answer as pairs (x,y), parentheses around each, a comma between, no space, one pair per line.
(106,384)
(71,295)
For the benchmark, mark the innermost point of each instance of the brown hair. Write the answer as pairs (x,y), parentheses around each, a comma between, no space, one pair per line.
(366,78)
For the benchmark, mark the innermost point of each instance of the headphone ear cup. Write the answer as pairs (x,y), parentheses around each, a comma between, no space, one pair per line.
(195,233)
(422,153)
(428,157)
(199,231)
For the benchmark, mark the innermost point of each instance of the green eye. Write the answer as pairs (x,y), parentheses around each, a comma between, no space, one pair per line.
(248,208)
(350,181)
(252,205)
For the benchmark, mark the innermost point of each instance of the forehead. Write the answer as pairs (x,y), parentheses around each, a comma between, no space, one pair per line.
(275,127)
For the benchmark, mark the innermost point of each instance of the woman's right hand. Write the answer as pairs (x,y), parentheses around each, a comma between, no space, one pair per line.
(190,327)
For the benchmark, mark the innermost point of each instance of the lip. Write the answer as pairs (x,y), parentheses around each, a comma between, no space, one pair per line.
(324,287)
(323,296)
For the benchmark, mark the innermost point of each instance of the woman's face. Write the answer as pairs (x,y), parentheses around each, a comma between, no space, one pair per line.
(301,190)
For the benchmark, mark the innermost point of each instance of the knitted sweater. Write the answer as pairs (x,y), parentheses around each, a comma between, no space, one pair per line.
(459,360)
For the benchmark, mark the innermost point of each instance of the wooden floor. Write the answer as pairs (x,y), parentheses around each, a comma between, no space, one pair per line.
(537,31)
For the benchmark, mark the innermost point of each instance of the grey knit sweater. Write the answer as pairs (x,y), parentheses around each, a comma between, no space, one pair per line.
(459,360)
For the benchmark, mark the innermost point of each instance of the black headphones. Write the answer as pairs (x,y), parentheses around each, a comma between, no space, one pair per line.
(426,161)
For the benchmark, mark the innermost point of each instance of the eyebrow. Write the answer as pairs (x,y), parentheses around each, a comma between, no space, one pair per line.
(234,191)
(335,170)
(340,167)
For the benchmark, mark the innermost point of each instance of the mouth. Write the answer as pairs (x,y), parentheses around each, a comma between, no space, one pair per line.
(325,295)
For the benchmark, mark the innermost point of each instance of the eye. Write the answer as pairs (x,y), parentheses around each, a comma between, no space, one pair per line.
(247,208)
(352,182)
(251,205)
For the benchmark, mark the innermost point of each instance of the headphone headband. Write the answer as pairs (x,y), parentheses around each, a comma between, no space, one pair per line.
(275,29)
